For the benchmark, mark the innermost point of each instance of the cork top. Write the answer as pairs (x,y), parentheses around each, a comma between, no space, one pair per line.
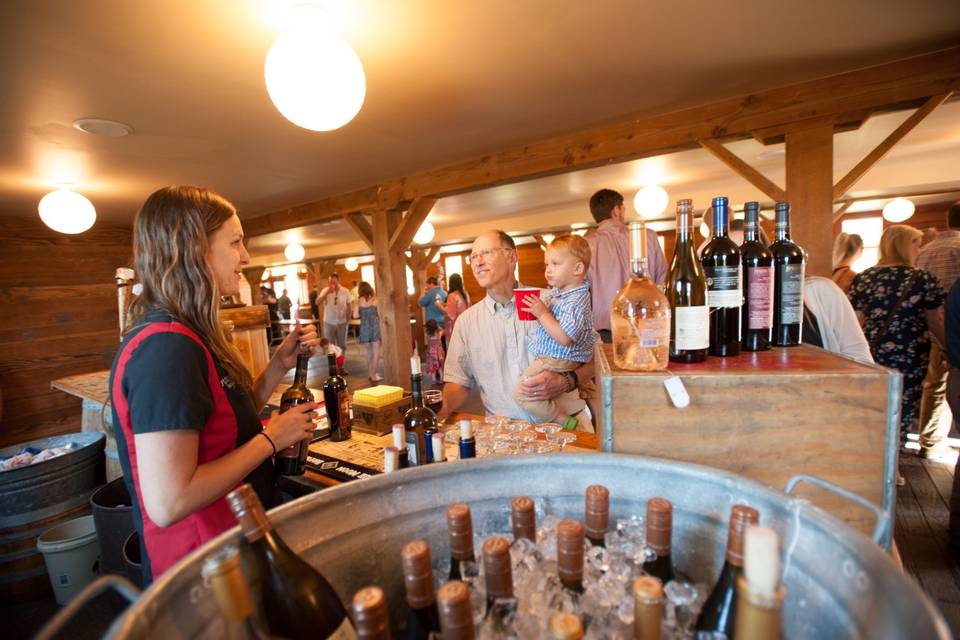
(417,574)
(596,514)
(564,626)
(523,517)
(659,525)
(741,517)
(570,551)
(370,616)
(496,567)
(647,590)
(248,509)
(456,618)
(460,530)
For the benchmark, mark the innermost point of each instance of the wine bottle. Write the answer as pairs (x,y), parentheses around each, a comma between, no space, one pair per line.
(659,532)
(456,617)
(757,262)
(468,444)
(498,578)
(423,618)
(596,513)
(337,402)
(640,314)
(460,532)
(565,626)
(721,266)
(225,576)
(400,443)
(686,291)
(759,592)
(292,461)
(647,608)
(789,263)
(370,614)
(298,602)
(570,555)
(523,518)
(718,613)
(419,418)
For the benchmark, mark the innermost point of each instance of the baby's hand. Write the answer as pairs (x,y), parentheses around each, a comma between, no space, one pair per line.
(534,305)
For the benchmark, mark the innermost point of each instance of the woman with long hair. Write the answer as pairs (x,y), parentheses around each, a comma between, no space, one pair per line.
(899,307)
(847,249)
(366,310)
(185,408)
(457,302)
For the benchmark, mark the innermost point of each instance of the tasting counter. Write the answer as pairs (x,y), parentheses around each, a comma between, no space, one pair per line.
(768,416)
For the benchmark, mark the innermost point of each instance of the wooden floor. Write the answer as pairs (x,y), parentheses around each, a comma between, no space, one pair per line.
(922,515)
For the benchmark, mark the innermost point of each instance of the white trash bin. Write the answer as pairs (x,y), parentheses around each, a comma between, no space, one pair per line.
(71,553)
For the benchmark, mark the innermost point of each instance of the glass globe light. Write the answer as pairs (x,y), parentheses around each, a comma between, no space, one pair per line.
(294,252)
(67,211)
(351,264)
(898,210)
(425,233)
(651,201)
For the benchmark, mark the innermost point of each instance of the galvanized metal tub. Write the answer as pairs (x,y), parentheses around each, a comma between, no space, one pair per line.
(839,583)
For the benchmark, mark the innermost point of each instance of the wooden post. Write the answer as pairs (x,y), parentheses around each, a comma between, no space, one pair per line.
(391,278)
(253,276)
(810,192)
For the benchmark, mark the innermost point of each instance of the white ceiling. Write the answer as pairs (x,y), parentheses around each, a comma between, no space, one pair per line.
(446,81)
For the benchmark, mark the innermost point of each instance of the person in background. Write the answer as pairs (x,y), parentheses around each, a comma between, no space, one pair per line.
(952,394)
(488,348)
(337,306)
(899,307)
(185,408)
(929,235)
(830,321)
(436,354)
(327,347)
(283,305)
(269,298)
(456,303)
(847,249)
(314,307)
(941,257)
(366,310)
(433,294)
(564,335)
(610,251)
(355,292)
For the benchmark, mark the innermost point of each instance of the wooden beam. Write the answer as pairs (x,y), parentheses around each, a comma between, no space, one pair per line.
(359,223)
(901,84)
(838,214)
(840,122)
(416,214)
(809,165)
(744,170)
(884,147)
(391,279)
(253,276)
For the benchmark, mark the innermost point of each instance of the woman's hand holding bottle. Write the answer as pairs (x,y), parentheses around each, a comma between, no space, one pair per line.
(300,337)
(293,425)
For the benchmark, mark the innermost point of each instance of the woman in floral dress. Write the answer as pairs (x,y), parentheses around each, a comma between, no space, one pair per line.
(899,307)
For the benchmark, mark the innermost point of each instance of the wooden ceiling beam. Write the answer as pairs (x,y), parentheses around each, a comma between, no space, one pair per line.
(847,181)
(744,170)
(901,84)
(402,236)
(842,209)
(359,223)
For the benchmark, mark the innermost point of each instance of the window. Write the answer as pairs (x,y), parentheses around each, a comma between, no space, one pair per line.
(366,274)
(870,229)
(452,265)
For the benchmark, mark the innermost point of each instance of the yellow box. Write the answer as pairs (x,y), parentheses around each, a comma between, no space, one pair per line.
(378,396)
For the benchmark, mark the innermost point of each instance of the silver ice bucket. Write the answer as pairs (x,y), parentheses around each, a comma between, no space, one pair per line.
(839,583)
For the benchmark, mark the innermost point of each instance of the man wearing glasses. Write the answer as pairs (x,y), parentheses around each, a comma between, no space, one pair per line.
(488,348)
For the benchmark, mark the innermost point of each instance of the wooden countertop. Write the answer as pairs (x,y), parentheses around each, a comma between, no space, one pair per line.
(89,386)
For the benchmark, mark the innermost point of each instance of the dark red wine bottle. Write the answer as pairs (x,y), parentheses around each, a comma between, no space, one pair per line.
(419,418)
(337,402)
(423,618)
(757,261)
(292,461)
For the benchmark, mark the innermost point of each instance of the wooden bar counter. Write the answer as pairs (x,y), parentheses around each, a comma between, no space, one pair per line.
(768,416)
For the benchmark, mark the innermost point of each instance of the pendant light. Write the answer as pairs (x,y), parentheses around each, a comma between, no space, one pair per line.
(67,211)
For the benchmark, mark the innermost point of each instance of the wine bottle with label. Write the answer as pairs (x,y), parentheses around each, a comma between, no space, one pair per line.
(686,291)
(640,315)
(789,262)
(419,418)
(460,532)
(225,576)
(719,611)
(659,534)
(423,619)
(292,461)
(760,594)
(337,401)
(757,262)
(721,266)
(298,602)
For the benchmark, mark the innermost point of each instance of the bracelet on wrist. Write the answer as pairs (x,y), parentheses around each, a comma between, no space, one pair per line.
(270,440)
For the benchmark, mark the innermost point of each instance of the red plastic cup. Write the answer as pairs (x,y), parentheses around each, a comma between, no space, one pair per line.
(518,296)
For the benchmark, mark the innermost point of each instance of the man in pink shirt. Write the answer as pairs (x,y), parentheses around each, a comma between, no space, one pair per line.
(610,261)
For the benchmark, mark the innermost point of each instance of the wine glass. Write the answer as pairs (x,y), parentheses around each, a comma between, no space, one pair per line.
(562,438)
(547,428)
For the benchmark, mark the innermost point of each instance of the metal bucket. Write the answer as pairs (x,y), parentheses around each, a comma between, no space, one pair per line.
(839,584)
(37,497)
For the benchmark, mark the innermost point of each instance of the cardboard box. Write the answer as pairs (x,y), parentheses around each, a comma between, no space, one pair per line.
(379,420)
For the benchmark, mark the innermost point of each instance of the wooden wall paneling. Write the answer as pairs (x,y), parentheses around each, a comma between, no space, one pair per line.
(809,161)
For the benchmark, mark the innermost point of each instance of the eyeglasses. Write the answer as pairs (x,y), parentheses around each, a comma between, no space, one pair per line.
(485,253)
